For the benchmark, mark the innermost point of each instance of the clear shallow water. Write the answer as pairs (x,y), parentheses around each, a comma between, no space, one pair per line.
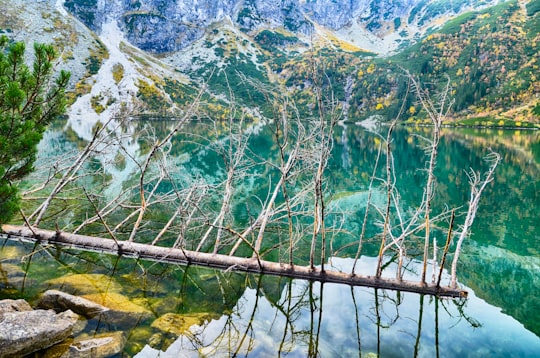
(266,316)
(247,315)
(341,321)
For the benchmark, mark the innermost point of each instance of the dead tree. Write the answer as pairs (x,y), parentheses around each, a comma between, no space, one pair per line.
(71,173)
(233,153)
(437,110)
(478,184)
(195,229)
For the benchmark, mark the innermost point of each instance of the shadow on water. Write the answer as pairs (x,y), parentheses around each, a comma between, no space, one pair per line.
(200,312)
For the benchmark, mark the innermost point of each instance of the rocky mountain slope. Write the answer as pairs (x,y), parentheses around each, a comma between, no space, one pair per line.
(152,56)
(160,26)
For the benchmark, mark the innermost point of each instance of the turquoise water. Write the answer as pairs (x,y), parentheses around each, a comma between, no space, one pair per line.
(267,316)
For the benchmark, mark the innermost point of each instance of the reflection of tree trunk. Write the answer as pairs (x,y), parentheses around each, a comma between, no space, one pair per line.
(313,349)
(419,332)
(437,326)
(251,319)
(378,316)
(165,254)
(358,336)
(27,268)
(287,319)
(312,352)
(320,317)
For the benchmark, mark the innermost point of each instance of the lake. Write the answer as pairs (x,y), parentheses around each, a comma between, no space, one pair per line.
(215,313)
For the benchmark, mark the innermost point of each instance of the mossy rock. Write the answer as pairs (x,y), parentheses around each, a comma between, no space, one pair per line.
(121,311)
(81,284)
(162,305)
(140,334)
(177,324)
(11,254)
(11,276)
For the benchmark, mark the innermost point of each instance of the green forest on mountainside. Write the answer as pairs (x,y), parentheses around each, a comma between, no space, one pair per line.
(491,58)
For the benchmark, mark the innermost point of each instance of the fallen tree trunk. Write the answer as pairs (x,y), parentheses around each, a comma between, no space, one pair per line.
(252,265)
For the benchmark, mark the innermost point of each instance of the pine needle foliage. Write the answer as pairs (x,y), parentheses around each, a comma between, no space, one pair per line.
(30,98)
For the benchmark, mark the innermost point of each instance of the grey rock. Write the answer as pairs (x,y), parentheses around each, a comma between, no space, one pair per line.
(61,301)
(25,332)
(14,306)
(112,308)
(161,26)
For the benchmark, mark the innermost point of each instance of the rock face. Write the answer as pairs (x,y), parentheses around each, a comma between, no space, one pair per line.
(256,14)
(161,26)
(24,332)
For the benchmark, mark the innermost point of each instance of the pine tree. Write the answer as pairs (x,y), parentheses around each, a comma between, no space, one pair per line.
(29,100)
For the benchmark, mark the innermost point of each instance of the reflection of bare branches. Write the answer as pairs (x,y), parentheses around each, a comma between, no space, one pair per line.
(357,318)
(288,321)
(419,332)
(383,298)
(249,329)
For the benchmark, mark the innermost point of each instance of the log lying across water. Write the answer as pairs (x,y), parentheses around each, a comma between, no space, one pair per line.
(171,255)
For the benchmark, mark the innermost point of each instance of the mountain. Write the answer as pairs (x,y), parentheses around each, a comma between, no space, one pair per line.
(152,56)
(160,26)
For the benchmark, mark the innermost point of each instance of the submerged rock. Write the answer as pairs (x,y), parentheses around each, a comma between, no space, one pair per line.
(24,332)
(178,324)
(61,301)
(120,309)
(11,276)
(11,254)
(99,346)
(85,284)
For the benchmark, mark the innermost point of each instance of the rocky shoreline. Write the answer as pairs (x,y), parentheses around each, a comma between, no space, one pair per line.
(53,328)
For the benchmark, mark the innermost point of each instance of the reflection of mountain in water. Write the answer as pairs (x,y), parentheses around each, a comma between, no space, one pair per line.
(350,202)
(506,280)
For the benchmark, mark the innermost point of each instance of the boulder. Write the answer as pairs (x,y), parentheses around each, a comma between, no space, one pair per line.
(98,346)
(24,332)
(14,306)
(61,301)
